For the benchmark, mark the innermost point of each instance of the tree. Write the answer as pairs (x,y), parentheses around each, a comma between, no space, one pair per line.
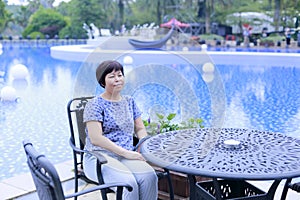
(141,12)
(33,5)
(88,12)
(208,13)
(47,3)
(277,5)
(5,16)
(120,20)
(22,16)
(47,21)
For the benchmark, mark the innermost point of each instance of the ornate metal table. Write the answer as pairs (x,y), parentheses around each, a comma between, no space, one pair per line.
(230,156)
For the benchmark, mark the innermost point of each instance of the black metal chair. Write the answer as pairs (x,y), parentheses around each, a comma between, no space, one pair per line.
(47,181)
(289,185)
(75,108)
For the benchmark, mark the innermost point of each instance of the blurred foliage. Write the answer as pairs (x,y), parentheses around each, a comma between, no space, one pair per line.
(272,40)
(47,21)
(165,124)
(210,37)
(37,35)
(5,16)
(112,14)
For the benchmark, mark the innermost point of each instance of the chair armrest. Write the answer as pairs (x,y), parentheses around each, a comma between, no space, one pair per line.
(76,148)
(100,187)
(101,159)
(295,186)
(140,142)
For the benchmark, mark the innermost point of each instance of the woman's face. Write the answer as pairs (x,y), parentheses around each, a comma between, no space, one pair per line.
(114,81)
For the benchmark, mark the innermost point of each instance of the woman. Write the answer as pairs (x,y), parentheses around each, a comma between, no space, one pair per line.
(111,120)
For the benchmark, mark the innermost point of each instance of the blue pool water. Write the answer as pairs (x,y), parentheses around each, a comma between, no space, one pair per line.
(260,92)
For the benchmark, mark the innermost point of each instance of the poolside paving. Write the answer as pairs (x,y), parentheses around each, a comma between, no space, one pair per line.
(22,187)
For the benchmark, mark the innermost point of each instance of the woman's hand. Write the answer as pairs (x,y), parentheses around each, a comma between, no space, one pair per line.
(133,155)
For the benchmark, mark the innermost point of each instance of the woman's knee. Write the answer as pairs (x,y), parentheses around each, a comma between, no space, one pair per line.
(149,178)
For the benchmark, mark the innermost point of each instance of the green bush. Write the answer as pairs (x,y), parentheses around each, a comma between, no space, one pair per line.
(29,29)
(35,35)
(210,37)
(73,32)
(47,21)
(271,40)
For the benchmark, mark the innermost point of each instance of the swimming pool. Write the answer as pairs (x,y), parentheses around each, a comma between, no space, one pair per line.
(260,92)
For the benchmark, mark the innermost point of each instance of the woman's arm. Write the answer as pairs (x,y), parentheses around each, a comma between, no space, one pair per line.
(139,128)
(96,136)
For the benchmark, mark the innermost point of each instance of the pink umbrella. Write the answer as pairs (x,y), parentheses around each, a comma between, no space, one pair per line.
(174,22)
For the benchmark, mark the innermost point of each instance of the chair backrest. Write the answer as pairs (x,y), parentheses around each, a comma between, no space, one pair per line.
(75,108)
(44,174)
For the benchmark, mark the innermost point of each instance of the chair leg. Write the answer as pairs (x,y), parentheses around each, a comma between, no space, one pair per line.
(104,194)
(272,189)
(119,193)
(101,181)
(192,184)
(285,189)
(76,186)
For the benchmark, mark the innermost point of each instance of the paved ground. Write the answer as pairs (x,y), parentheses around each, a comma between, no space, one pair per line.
(22,187)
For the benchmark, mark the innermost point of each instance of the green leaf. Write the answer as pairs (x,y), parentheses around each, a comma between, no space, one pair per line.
(171,116)
(160,116)
(145,122)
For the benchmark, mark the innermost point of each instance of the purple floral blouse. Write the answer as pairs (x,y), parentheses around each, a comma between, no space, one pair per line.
(117,120)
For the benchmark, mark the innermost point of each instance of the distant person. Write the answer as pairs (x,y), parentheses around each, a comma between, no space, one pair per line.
(288,36)
(123,29)
(247,33)
(298,39)
(111,120)
(264,32)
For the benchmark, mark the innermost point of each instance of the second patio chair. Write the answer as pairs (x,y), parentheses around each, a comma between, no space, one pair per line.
(75,108)
(289,185)
(47,181)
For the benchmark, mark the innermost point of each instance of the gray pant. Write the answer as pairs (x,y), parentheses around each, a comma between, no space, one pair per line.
(139,174)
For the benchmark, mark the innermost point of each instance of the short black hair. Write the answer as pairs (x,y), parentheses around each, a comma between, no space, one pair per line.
(105,68)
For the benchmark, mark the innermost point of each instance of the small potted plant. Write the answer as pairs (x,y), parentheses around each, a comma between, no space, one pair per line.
(165,124)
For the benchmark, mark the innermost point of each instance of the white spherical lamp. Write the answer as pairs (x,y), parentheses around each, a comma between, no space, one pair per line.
(208,67)
(204,47)
(19,84)
(127,60)
(185,49)
(8,93)
(208,77)
(19,71)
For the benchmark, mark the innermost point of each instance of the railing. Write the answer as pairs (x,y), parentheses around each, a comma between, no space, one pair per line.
(6,43)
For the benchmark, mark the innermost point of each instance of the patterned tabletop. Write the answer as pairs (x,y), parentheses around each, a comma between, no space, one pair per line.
(226,153)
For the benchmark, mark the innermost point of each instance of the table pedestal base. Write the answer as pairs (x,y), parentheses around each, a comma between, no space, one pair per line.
(230,189)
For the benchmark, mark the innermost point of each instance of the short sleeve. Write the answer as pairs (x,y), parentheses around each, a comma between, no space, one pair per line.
(136,111)
(93,111)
